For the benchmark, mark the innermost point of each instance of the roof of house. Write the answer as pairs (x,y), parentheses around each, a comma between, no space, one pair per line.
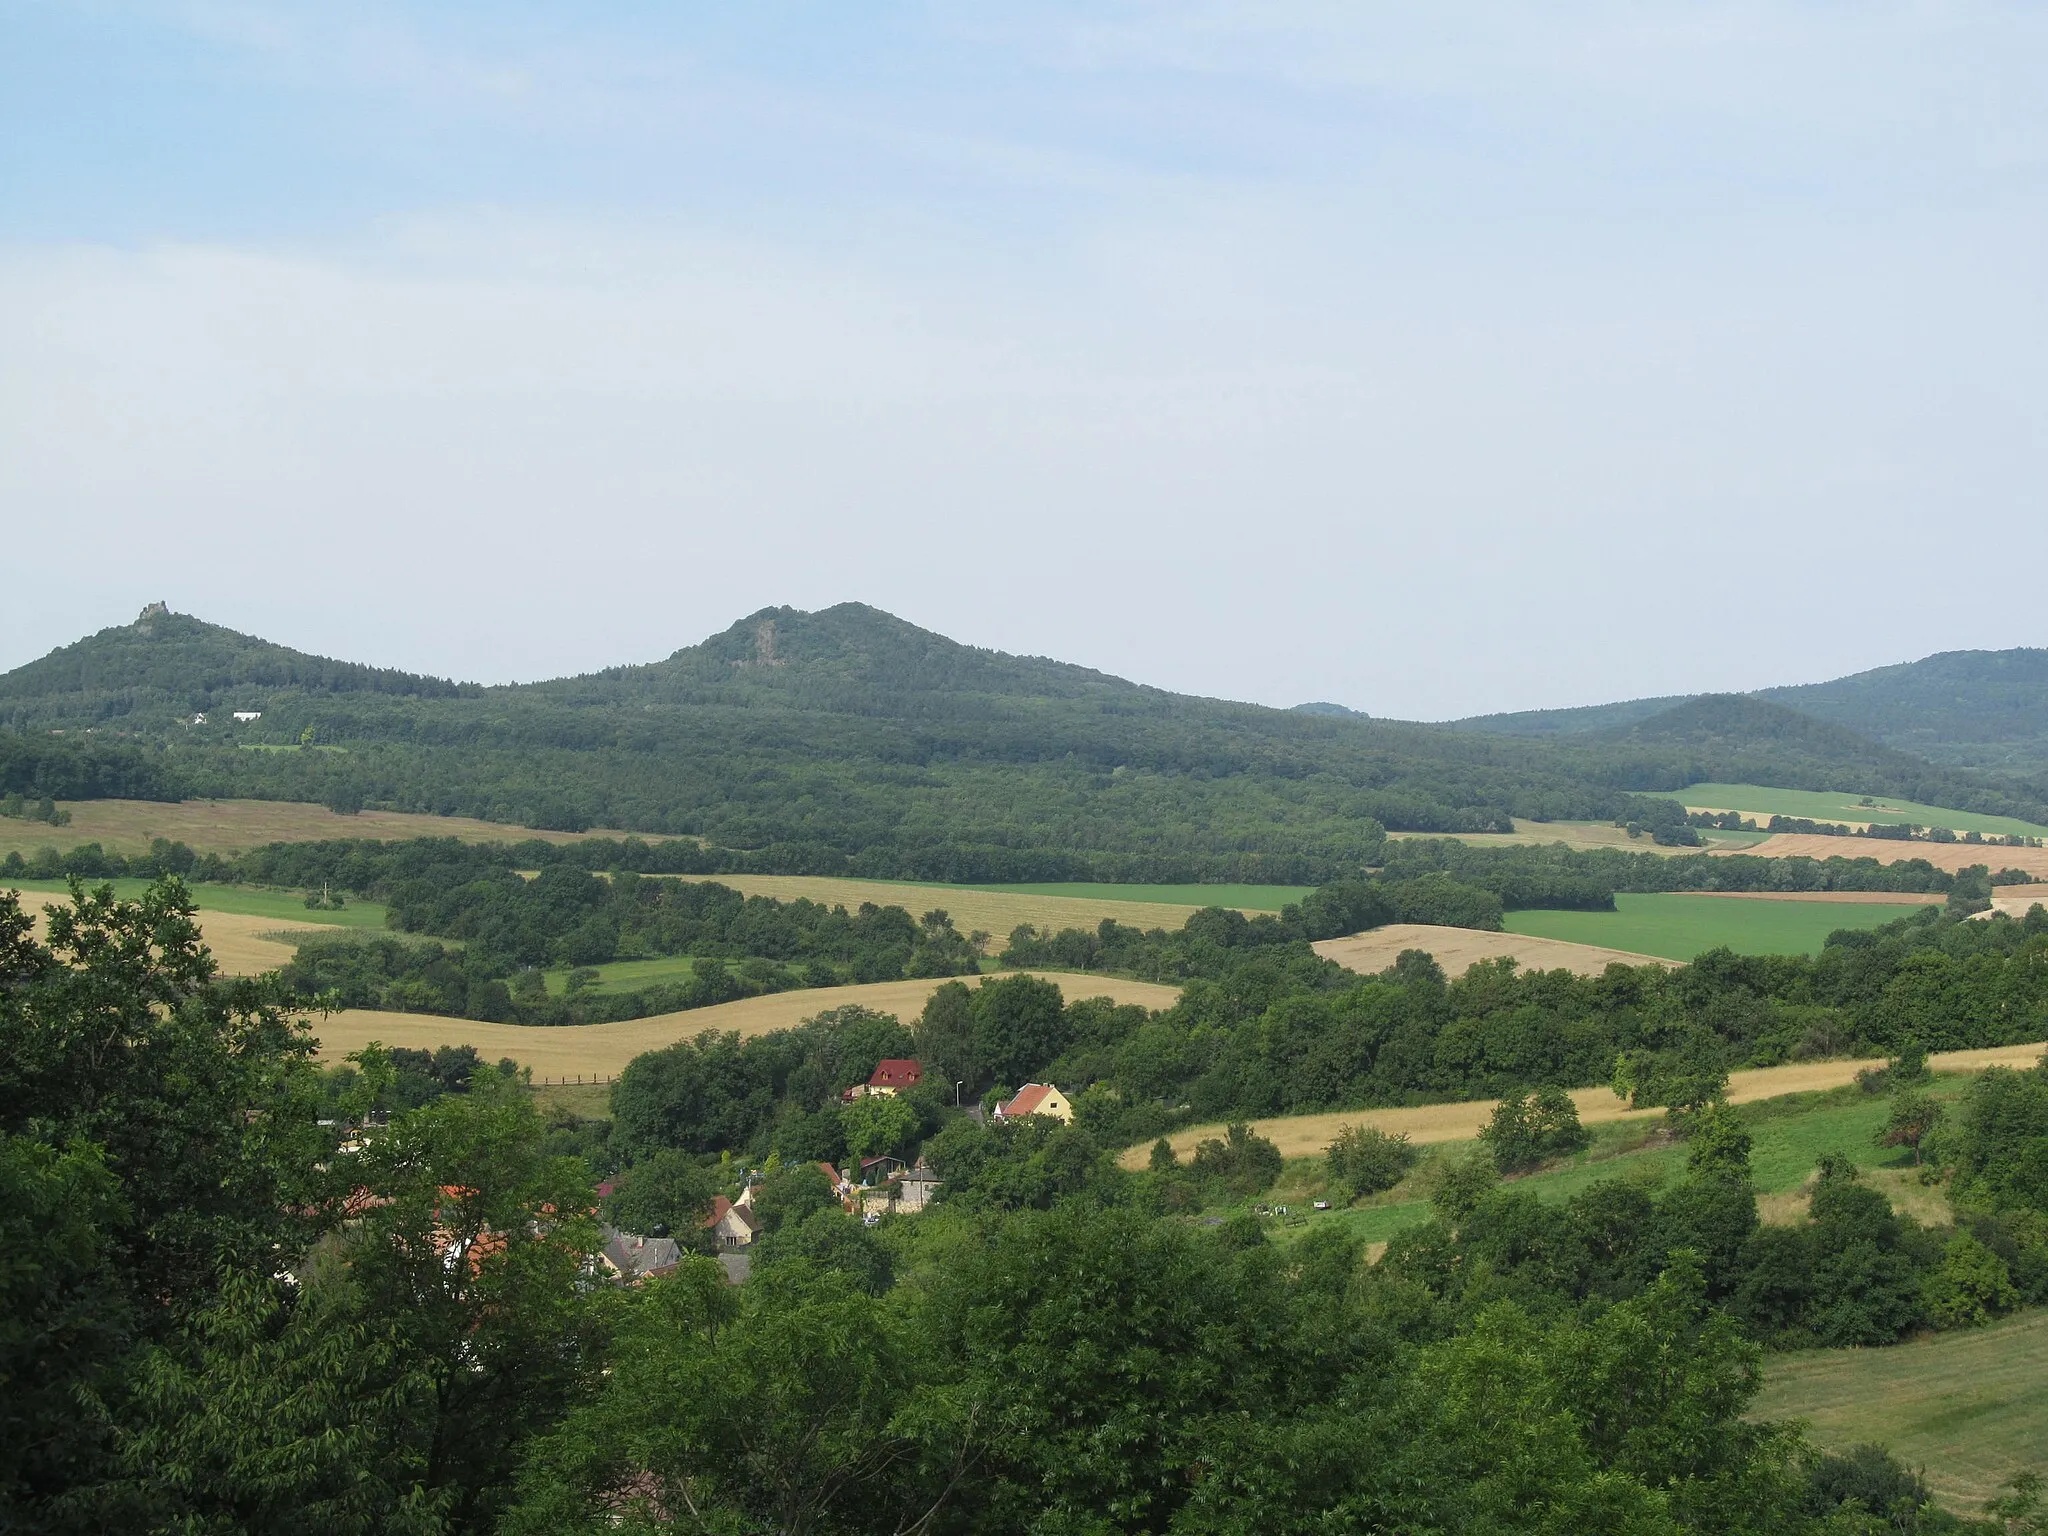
(634,1256)
(896,1072)
(722,1208)
(1029,1100)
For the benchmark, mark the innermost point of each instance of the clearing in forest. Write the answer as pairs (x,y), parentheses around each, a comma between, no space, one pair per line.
(1680,926)
(1456,949)
(602,1050)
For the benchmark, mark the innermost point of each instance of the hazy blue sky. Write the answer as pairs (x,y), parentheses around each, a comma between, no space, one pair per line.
(1431,359)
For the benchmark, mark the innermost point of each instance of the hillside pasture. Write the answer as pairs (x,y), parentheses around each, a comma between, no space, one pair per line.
(1763,802)
(1426,1124)
(1970,1407)
(236,826)
(1456,949)
(602,1050)
(1245,898)
(1678,927)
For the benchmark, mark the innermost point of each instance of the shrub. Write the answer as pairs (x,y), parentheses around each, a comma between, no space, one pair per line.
(1245,1161)
(1529,1129)
(1368,1159)
(1970,1287)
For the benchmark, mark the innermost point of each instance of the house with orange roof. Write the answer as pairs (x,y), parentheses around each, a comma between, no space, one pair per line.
(1037,1099)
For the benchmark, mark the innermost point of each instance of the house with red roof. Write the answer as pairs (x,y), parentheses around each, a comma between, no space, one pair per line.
(732,1226)
(1037,1099)
(889,1078)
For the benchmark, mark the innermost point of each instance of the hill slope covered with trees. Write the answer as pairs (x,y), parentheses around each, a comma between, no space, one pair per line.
(849,741)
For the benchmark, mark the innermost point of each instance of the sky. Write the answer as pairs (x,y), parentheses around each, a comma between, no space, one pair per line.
(1432,360)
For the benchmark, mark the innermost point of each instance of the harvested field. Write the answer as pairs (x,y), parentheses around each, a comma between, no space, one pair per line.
(1948,856)
(2017,900)
(602,1050)
(235,826)
(1761,802)
(1541,834)
(243,944)
(1457,948)
(993,912)
(1308,1135)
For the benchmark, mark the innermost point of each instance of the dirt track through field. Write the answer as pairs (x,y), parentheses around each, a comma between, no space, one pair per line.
(1948,856)
(1308,1135)
(1457,948)
(603,1049)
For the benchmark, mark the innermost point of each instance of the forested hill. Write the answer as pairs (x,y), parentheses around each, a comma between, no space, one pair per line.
(166,667)
(1977,708)
(1965,709)
(847,740)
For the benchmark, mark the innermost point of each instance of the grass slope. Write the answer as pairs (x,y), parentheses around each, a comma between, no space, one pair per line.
(1829,805)
(1246,898)
(1678,927)
(1971,1408)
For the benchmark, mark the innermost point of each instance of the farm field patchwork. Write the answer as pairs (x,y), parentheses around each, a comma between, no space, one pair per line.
(991,910)
(236,826)
(1573,834)
(1678,927)
(1969,1407)
(249,930)
(602,1050)
(1245,898)
(1818,805)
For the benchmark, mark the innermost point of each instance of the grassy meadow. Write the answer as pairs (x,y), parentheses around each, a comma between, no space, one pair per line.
(1969,1408)
(1678,927)
(1824,805)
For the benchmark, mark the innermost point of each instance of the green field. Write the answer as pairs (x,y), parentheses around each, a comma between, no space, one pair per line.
(249,900)
(1819,805)
(629,975)
(1968,1408)
(1256,898)
(1680,927)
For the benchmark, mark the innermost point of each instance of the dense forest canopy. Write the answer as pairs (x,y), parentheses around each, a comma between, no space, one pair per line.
(1968,709)
(849,741)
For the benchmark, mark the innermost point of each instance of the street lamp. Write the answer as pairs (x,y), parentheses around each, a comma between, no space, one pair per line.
(956,1092)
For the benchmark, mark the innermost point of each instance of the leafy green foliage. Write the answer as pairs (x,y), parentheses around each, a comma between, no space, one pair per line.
(1527,1130)
(1369,1160)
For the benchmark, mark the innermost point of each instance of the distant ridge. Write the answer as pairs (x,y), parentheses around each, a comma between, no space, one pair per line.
(1334,711)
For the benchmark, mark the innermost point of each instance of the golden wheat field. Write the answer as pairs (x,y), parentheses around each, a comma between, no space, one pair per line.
(1949,856)
(601,1050)
(1457,948)
(235,826)
(1308,1135)
(993,912)
(1541,834)
(242,944)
